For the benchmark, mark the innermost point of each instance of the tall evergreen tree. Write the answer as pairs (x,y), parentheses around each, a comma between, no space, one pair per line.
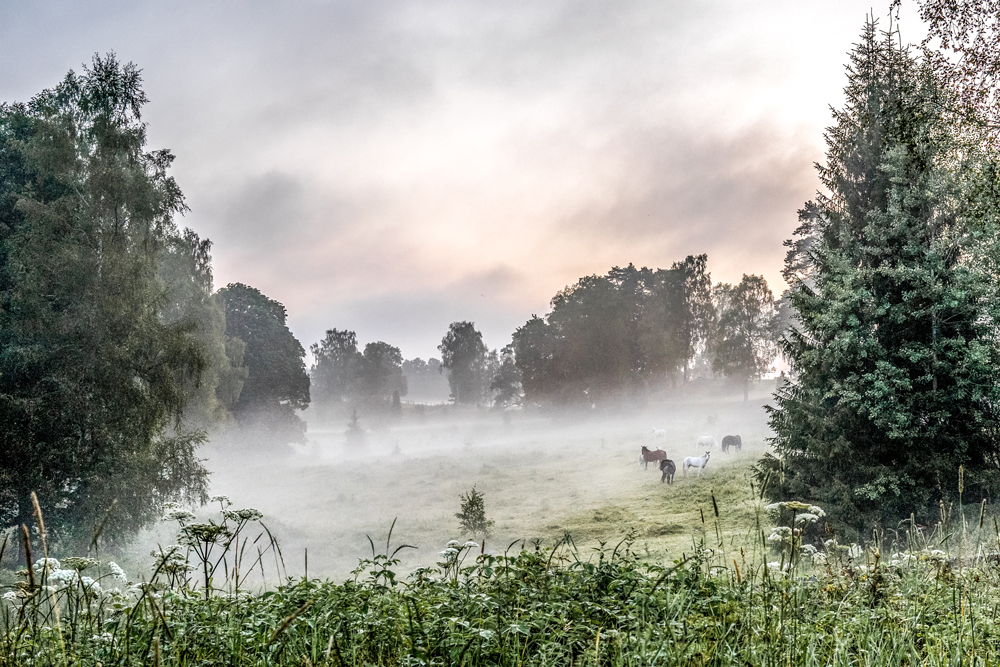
(91,372)
(895,350)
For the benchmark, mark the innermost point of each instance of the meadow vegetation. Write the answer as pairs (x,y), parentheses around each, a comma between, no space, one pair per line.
(754,585)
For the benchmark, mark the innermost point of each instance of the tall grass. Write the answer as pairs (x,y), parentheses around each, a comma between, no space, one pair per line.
(905,599)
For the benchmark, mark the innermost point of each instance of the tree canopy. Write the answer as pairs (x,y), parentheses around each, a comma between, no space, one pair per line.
(92,370)
(277,384)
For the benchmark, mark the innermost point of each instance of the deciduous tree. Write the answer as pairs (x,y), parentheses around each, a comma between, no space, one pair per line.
(92,370)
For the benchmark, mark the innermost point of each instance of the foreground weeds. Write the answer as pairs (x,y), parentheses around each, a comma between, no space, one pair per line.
(529,606)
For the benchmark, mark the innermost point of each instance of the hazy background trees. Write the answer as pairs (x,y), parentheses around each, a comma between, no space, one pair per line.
(346,379)
(745,341)
(467,360)
(276,385)
(635,331)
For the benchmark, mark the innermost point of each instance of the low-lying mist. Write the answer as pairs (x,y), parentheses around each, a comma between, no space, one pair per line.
(542,474)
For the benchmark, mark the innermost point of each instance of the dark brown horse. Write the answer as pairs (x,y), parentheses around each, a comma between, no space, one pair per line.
(668,468)
(732,441)
(651,455)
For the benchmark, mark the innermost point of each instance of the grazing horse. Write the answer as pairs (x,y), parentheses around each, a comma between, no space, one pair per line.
(707,441)
(734,441)
(698,462)
(651,455)
(659,433)
(668,468)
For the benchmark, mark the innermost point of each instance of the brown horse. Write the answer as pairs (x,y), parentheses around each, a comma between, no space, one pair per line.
(732,441)
(651,455)
(668,468)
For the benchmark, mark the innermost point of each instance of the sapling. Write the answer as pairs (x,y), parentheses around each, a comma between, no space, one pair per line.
(473,515)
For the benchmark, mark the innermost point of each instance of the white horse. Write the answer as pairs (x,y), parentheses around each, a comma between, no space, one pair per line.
(698,462)
(707,441)
(659,433)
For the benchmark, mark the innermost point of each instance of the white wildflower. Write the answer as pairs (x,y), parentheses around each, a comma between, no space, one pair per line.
(180,516)
(453,543)
(50,563)
(819,559)
(806,518)
(471,545)
(117,572)
(449,552)
(247,514)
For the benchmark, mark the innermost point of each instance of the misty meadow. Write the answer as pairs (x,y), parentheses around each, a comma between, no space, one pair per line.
(660,468)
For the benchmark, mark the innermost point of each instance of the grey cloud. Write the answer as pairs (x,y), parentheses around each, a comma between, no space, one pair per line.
(734,197)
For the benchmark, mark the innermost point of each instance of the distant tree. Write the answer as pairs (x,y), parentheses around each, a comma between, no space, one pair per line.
(534,346)
(335,370)
(93,371)
(506,384)
(355,435)
(746,339)
(894,344)
(381,374)
(426,380)
(595,351)
(186,269)
(692,306)
(277,384)
(464,355)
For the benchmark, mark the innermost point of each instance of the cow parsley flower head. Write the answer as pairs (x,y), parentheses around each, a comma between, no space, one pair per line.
(247,514)
(78,563)
(117,572)
(49,563)
(182,517)
(471,545)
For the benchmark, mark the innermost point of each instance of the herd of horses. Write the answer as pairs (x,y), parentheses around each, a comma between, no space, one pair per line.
(668,467)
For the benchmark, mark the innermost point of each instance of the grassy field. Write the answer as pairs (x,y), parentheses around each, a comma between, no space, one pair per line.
(651,575)
(541,477)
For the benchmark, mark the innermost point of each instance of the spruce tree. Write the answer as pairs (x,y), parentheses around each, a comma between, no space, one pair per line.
(893,348)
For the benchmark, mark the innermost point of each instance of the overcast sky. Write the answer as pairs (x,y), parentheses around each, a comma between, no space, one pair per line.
(392,166)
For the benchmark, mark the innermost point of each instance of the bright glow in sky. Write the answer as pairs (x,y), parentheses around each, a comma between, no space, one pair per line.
(390,167)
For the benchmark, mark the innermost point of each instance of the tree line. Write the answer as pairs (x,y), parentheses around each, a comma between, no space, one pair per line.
(607,338)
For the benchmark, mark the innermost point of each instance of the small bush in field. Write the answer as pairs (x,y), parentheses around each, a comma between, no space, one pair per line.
(473,515)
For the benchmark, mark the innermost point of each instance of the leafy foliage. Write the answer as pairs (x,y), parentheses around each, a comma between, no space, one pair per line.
(472,516)
(466,357)
(92,366)
(277,384)
(746,340)
(343,376)
(619,335)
